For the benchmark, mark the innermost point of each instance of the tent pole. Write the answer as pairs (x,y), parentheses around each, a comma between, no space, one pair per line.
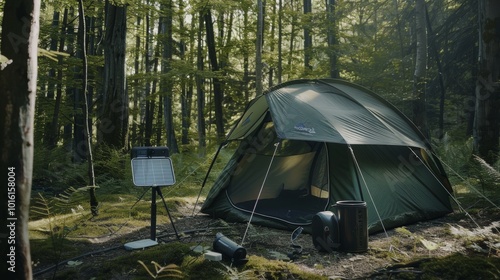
(276,145)
(208,173)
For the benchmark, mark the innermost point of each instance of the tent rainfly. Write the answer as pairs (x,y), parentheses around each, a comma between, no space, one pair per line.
(306,144)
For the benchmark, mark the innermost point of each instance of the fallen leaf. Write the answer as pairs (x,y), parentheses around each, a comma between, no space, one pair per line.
(429,245)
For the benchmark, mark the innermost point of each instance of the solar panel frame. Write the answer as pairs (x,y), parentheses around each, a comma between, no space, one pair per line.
(152,172)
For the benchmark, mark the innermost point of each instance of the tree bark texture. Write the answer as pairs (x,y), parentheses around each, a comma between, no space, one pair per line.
(435,53)
(307,35)
(149,63)
(48,132)
(166,83)
(419,108)
(20,27)
(218,93)
(87,129)
(258,48)
(200,93)
(332,39)
(186,82)
(54,125)
(487,116)
(113,125)
(280,42)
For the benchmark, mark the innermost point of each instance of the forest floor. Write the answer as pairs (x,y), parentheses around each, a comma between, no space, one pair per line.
(461,239)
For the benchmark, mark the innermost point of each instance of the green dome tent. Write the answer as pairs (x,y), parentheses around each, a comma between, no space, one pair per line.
(306,144)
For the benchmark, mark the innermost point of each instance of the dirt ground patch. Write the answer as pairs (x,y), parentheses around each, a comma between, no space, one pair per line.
(388,252)
(455,233)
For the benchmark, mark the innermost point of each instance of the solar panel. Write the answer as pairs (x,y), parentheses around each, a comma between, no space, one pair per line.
(152,172)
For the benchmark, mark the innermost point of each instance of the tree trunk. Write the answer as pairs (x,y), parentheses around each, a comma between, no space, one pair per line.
(487,116)
(166,83)
(292,40)
(399,29)
(149,114)
(79,145)
(218,94)
(87,131)
(52,134)
(20,27)
(332,39)
(137,124)
(92,33)
(280,41)
(113,125)
(435,53)
(48,132)
(186,82)
(271,47)
(307,35)
(187,99)
(157,102)
(69,89)
(258,48)
(200,94)
(246,58)
(419,107)
(159,119)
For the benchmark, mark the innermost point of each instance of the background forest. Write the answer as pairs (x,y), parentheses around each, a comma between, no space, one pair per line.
(178,73)
(113,75)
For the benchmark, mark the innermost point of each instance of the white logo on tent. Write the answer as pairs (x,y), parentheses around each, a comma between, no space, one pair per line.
(302,127)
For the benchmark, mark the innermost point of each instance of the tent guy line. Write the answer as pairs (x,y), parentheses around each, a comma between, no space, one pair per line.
(368,190)
(260,192)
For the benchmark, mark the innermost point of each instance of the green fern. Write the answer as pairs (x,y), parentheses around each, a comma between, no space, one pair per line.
(41,208)
(170,270)
(64,198)
(488,169)
(488,176)
(44,209)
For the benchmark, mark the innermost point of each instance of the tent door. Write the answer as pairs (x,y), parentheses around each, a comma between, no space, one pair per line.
(296,187)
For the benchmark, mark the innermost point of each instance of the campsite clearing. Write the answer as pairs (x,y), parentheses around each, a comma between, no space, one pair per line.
(453,246)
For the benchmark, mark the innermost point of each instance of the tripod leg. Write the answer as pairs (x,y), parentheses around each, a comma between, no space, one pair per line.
(153,213)
(168,212)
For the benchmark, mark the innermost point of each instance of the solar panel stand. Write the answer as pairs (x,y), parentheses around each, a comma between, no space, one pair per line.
(140,244)
(157,190)
(153,212)
(144,243)
(147,158)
